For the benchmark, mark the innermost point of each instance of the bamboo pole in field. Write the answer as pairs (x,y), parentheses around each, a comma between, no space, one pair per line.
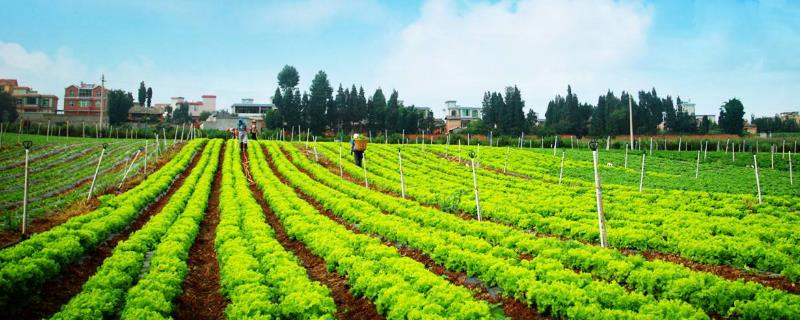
(758,180)
(475,186)
(641,175)
(402,179)
(561,172)
(599,197)
(27,145)
(96,171)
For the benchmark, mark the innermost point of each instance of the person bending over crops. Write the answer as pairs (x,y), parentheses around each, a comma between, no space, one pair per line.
(357,147)
(242,134)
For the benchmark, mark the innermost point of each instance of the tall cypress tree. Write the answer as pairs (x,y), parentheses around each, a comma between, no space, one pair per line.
(317,103)
(142,94)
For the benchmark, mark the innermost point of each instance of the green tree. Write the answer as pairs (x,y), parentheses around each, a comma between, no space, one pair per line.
(272,119)
(731,117)
(204,115)
(181,114)
(119,102)
(8,107)
(705,125)
(319,97)
(149,96)
(142,94)
(392,113)
(287,98)
(288,77)
(532,118)
(376,106)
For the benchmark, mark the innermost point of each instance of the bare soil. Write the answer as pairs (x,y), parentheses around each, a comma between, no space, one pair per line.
(201,297)
(59,290)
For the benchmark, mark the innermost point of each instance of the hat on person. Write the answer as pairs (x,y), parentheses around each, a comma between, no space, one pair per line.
(355,136)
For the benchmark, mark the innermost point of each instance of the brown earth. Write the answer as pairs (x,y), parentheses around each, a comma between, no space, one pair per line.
(348,306)
(201,297)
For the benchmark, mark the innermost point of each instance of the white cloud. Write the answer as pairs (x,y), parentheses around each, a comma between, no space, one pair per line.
(37,69)
(454,52)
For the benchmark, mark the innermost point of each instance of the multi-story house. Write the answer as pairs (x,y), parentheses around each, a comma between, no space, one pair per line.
(208,104)
(28,100)
(83,99)
(457,117)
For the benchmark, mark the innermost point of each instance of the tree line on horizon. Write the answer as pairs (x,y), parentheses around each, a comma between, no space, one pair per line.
(350,109)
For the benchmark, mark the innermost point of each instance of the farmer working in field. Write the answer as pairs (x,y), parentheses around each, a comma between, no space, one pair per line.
(357,148)
(242,134)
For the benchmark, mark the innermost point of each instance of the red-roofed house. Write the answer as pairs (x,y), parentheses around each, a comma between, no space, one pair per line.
(28,100)
(84,99)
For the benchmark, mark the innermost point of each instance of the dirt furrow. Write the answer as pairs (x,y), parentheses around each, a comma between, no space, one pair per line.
(348,306)
(201,297)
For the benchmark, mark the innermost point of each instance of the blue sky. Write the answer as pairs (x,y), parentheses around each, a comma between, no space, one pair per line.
(430,51)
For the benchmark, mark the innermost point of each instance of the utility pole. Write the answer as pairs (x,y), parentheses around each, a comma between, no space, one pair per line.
(102,98)
(630,113)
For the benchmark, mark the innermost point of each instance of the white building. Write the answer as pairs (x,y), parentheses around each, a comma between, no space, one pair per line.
(457,117)
(687,106)
(209,104)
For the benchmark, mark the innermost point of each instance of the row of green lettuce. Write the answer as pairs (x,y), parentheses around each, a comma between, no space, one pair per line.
(399,287)
(145,272)
(28,264)
(639,221)
(541,282)
(660,279)
(258,276)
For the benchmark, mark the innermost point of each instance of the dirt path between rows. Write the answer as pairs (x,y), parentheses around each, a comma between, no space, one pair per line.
(47,222)
(60,289)
(724,271)
(201,297)
(348,306)
(511,307)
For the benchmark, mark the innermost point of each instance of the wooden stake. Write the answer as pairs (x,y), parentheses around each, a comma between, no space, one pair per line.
(475,186)
(27,145)
(561,173)
(758,181)
(402,179)
(601,219)
(641,175)
(96,170)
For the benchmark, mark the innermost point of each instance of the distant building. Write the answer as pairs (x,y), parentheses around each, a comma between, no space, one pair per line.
(208,104)
(139,113)
(687,106)
(457,117)
(793,115)
(28,100)
(83,99)
(751,128)
(249,109)
(711,117)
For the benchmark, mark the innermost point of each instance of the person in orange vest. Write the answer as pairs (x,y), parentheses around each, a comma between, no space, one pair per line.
(358,155)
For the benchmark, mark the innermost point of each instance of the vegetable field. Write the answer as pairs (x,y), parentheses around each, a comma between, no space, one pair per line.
(295,230)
